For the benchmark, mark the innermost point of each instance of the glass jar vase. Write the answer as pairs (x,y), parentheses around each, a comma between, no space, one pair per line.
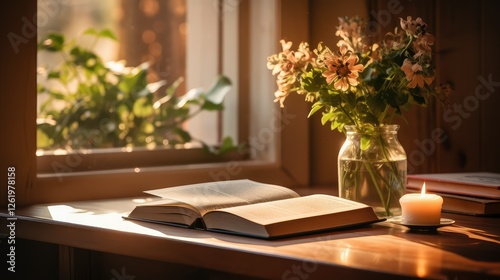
(372,168)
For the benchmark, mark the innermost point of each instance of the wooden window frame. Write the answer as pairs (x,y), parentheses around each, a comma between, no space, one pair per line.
(285,163)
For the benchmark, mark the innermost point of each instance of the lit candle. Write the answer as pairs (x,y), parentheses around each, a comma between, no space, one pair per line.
(421,209)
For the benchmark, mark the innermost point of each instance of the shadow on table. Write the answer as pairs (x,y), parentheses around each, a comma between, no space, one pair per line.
(468,242)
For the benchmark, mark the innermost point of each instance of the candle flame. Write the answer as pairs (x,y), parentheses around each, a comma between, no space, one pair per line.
(423,189)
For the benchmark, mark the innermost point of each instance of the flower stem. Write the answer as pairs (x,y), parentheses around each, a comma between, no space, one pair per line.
(373,174)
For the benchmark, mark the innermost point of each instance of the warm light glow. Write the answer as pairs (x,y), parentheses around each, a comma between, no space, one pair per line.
(423,189)
(116,66)
(63,212)
(137,170)
(60,152)
(422,269)
(102,219)
(344,256)
(141,200)
(156,105)
(127,149)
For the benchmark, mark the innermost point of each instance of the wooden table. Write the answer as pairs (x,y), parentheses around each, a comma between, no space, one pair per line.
(468,249)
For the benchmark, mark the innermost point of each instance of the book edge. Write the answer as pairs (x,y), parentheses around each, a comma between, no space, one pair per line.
(432,177)
(297,234)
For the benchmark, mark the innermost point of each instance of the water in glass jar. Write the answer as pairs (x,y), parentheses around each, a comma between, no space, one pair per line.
(379,184)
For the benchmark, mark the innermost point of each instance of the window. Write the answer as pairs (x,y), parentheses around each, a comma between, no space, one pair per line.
(151,31)
(267,131)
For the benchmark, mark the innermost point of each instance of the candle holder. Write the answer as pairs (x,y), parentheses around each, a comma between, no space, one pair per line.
(425,228)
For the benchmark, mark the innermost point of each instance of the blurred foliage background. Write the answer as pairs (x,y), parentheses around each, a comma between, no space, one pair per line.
(95,104)
(121,82)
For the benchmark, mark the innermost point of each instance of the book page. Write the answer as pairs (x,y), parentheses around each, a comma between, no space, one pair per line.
(297,208)
(166,211)
(290,216)
(215,195)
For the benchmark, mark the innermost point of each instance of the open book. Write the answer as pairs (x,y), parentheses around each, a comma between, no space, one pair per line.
(245,207)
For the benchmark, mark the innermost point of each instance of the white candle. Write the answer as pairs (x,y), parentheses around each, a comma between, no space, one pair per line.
(421,208)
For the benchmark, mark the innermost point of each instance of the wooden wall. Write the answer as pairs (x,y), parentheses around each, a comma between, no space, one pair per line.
(467,54)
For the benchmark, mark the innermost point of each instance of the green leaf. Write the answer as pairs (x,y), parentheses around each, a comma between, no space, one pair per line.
(184,135)
(154,87)
(313,80)
(43,141)
(169,93)
(335,124)
(107,33)
(173,87)
(84,58)
(218,90)
(54,75)
(316,106)
(331,98)
(142,107)
(365,142)
(394,98)
(91,31)
(226,146)
(148,128)
(415,93)
(192,94)
(351,98)
(57,95)
(209,106)
(134,83)
(368,118)
(54,42)
(143,92)
(327,117)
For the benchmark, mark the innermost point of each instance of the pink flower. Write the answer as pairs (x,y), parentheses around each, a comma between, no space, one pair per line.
(351,31)
(289,61)
(347,28)
(414,74)
(424,43)
(415,27)
(394,42)
(280,97)
(285,82)
(343,68)
(288,64)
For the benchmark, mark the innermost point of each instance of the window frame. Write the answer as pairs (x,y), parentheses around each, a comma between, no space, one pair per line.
(286,163)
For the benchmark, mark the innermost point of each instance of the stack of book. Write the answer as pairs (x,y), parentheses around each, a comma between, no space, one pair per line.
(465,193)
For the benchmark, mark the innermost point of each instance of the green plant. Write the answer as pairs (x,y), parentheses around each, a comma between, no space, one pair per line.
(90,103)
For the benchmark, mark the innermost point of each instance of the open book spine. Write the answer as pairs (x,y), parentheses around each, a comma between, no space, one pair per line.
(199,224)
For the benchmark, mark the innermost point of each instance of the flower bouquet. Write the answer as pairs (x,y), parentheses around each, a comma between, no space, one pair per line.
(359,88)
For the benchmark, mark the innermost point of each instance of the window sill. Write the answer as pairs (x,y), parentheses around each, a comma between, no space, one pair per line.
(108,159)
(365,252)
